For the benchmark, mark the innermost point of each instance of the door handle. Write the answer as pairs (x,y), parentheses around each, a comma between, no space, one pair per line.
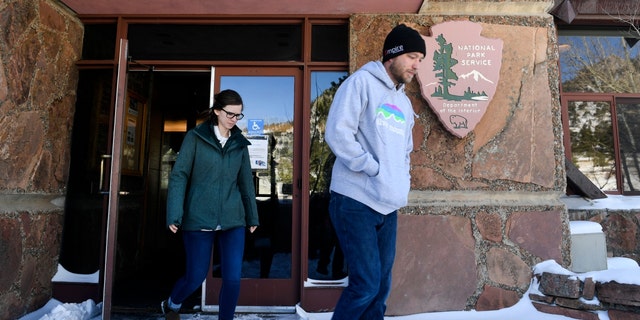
(103,160)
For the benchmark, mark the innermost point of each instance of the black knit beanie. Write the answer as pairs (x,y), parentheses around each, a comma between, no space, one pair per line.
(401,40)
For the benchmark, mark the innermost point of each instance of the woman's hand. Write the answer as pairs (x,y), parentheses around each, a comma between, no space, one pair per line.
(173,228)
(253,228)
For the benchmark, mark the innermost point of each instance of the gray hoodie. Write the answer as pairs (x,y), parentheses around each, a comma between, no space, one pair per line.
(369,130)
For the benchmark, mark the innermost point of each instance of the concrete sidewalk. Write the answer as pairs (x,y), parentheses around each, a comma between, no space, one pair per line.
(206,316)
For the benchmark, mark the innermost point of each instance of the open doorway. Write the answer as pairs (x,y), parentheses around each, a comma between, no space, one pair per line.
(149,259)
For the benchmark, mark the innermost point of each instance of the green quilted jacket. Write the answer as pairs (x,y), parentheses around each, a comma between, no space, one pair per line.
(211,186)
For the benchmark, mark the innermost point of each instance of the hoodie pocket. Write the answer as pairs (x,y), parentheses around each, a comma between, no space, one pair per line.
(390,186)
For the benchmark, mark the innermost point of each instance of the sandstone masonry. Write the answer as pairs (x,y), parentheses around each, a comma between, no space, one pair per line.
(40,41)
(574,298)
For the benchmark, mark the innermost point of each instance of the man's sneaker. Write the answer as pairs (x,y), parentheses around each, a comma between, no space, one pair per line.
(169,314)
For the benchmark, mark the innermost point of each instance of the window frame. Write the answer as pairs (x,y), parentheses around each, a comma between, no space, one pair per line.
(613,99)
(608,26)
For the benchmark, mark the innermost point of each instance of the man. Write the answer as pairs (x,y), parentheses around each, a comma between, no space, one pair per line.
(369,131)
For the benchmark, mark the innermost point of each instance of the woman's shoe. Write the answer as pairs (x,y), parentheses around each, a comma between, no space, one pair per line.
(169,314)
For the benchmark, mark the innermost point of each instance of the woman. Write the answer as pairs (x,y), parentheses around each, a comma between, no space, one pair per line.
(211,196)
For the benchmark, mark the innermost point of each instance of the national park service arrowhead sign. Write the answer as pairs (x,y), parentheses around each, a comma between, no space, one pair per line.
(459,74)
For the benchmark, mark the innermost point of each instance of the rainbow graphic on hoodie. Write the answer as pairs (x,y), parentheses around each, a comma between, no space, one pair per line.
(391,111)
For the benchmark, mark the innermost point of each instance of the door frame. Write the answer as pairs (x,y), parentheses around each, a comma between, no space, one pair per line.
(305,64)
(113,191)
(257,295)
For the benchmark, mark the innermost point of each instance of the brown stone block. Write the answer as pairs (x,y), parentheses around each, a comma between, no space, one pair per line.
(514,57)
(21,67)
(29,283)
(589,289)
(621,232)
(51,45)
(12,306)
(23,137)
(61,116)
(435,267)
(517,143)
(542,113)
(75,36)
(447,151)
(53,238)
(31,238)
(623,315)
(418,157)
(560,285)
(51,18)
(11,252)
(43,177)
(577,304)
(424,177)
(619,293)
(375,31)
(575,314)
(493,298)
(540,233)
(541,298)
(507,268)
(490,226)
(15,20)
(4,90)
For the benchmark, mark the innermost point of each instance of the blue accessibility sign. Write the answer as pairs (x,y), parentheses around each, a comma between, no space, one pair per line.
(255,127)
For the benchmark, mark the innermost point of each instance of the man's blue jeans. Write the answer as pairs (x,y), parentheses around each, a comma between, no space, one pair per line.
(368,240)
(198,247)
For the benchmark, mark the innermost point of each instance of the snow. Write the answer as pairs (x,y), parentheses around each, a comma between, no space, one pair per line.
(63,275)
(56,310)
(621,270)
(584,227)
(611,202)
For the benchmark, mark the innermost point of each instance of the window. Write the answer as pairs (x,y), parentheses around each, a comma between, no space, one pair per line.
(234,42)
(99,41)
(601,107)
(330,42)
(326,261)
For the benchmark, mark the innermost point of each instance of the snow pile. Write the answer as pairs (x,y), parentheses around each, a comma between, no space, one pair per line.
(56,310)
(621,270)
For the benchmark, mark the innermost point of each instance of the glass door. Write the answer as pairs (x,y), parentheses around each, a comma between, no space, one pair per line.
(98,159)
(271,270)
(325,264)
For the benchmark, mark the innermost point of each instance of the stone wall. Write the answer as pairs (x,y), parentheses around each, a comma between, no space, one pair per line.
(40,41)
(621,229)
(484,209)
(569,296)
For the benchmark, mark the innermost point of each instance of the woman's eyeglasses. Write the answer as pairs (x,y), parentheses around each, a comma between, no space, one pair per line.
(230,115)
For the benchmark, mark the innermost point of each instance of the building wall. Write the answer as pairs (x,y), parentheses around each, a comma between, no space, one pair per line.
(483,209)
(621,228)
(39,45)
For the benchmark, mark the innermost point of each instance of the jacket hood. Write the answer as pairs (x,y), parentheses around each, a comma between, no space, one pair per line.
(376,68)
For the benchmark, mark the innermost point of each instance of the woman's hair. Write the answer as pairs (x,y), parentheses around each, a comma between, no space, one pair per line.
(221,100)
